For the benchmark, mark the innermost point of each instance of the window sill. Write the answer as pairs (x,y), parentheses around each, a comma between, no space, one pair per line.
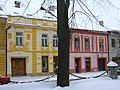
(19,46)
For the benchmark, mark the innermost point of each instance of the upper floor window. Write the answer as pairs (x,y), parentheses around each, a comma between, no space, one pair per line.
(101,43)
(44,40)
(113,42)
(55,41)
(87,42)
(118,43)
(76,42)
(19,38)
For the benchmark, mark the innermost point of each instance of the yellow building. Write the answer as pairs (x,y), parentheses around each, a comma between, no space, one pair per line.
(32,46)
(3,45)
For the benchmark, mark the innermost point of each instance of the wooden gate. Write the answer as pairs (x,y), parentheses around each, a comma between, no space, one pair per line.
(18,66)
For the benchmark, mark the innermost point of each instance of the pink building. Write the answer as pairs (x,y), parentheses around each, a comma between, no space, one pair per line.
(88,50)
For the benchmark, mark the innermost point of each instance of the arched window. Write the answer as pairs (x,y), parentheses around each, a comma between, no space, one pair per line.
(101,43)
(77,42)
(87,42)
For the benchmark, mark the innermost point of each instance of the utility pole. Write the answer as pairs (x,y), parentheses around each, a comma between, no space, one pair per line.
(63,43)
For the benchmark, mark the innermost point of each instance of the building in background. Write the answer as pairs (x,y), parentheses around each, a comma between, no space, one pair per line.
(88,50)
(32,46)
(114,46)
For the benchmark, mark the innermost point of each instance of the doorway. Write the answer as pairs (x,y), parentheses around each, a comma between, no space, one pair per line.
(77,65)
(18,66)
(55,63)
(44,63)
(101,64)
(87,61)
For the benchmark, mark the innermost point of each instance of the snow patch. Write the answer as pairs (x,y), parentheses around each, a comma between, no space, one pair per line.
(112,64)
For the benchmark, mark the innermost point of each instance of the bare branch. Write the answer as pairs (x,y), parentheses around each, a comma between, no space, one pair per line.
(83,14)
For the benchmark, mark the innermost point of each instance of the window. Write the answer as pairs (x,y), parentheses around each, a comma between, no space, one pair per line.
(55,41)
(18,38)
(87,42)
(44,63)
(113,42)
(118,43)
(44,40)
(101,43)
(76,42)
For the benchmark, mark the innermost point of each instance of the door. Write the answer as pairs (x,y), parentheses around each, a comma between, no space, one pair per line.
(101,64)
(55,63)
(77,65)
(87,60)
(44,63)
(18,66)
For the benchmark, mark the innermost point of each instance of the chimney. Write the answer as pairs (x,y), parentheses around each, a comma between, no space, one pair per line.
(17,4)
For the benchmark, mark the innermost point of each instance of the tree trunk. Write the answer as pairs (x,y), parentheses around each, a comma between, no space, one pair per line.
(63,43)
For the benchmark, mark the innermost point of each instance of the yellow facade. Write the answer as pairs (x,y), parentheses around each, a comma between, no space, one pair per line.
(3,46)
(31,50)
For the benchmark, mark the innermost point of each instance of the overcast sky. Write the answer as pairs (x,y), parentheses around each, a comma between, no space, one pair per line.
(103,12)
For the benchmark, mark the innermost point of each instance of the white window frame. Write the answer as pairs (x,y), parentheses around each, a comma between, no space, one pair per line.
(19,38)
(55,41)
(44,40)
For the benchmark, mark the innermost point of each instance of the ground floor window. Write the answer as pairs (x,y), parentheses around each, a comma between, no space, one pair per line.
(44,63)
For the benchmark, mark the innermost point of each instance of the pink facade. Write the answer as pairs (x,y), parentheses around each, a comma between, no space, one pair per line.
(88,50)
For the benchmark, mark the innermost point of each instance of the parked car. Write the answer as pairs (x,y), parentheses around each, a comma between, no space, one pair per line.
(4,79)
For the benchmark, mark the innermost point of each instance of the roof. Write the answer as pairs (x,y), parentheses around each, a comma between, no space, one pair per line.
(2,13)
(88,31)
(28,8)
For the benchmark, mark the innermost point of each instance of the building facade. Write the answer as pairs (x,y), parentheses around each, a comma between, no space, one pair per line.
(114,46)
(88,51)
(32,47)
(3,21)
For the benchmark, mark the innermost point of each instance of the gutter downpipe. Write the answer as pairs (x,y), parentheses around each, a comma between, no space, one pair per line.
(6,47)
(108,48)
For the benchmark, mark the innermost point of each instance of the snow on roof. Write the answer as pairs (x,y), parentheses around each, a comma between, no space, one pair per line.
(27,9)
(2,13)
(112,64)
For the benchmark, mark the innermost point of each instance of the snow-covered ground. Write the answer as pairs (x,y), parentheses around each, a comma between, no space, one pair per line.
(101,83)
